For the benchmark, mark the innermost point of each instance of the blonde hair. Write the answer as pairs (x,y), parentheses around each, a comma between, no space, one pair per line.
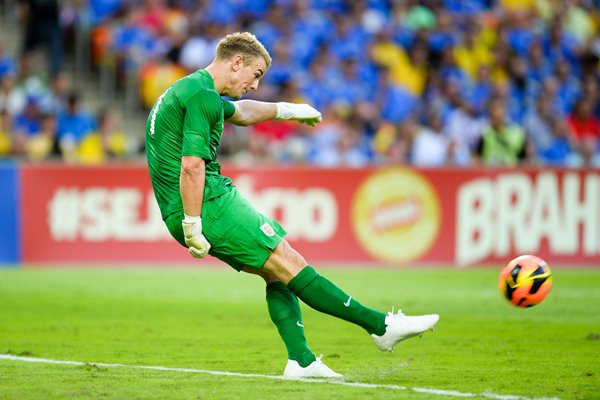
(243,43)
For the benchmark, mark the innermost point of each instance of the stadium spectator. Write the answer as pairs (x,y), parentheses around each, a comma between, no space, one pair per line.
(383,140)
(44,144)
(519,88)
(12,98)
(314,85)
(408,68)
(295,150)
(538,68)
(538,123)
(394,101)
(56,100)
(27,124)
(472,51)
(31,82)
(74,125)
(501,143)
(583,124)
(448,69)
(549,90)
(104,143)
(519,35)
(281,73)
(430,147)
(560,150)
(462,125)
(568,87)
(480,90)
(348,38)
(399,151)
(324,141)
(352,149)
(443,36)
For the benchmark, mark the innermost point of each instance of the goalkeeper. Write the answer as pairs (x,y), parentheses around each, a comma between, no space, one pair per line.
(205,212)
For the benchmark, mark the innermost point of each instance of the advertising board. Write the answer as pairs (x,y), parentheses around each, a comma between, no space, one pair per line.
(391,216)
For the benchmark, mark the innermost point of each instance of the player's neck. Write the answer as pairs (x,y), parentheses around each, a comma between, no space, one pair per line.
(215,70)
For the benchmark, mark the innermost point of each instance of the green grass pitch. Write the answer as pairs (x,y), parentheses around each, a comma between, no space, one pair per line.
(215,319)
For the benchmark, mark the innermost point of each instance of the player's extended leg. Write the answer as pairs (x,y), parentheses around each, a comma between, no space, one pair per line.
(323,295)
(284,310)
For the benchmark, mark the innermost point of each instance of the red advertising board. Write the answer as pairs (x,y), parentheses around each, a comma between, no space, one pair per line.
(76,214)
(391,216)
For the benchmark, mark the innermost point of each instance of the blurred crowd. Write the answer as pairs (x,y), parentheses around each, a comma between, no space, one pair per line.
(414,82)
(41,112)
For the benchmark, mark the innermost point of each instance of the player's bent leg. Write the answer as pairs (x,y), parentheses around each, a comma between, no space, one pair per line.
(323,295)
(320,293)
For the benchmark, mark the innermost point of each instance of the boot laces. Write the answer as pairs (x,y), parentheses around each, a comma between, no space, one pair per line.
(391,314)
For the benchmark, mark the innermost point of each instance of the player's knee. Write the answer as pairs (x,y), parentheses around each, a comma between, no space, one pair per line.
(284,262)
(269,278)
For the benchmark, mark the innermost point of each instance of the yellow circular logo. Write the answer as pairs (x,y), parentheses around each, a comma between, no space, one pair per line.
(396,214)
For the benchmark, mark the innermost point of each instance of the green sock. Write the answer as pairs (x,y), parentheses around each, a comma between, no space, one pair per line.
(284,310)
(323,295)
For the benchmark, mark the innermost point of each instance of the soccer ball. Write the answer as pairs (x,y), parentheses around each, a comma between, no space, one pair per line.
(525,281)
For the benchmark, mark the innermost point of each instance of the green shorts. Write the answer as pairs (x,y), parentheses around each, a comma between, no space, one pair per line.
(239,235)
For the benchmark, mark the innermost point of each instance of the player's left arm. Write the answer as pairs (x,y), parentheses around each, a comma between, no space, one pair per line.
(250,112)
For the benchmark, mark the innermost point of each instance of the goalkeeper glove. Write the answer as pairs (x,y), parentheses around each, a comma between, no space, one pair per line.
(194,239)
(298,112)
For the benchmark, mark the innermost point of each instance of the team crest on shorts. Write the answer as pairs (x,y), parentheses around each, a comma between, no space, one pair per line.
(267,229)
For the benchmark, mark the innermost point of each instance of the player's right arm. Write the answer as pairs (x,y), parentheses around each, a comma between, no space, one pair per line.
(202,112)
(191,183)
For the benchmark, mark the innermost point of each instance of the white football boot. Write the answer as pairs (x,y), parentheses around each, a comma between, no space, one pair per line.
(316,369)
(400,327)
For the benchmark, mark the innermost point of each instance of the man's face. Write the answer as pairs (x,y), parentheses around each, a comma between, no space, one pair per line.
(245,78)
(497,115)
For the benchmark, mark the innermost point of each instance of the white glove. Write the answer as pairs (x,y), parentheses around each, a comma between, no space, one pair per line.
(194,239)
(298,112)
